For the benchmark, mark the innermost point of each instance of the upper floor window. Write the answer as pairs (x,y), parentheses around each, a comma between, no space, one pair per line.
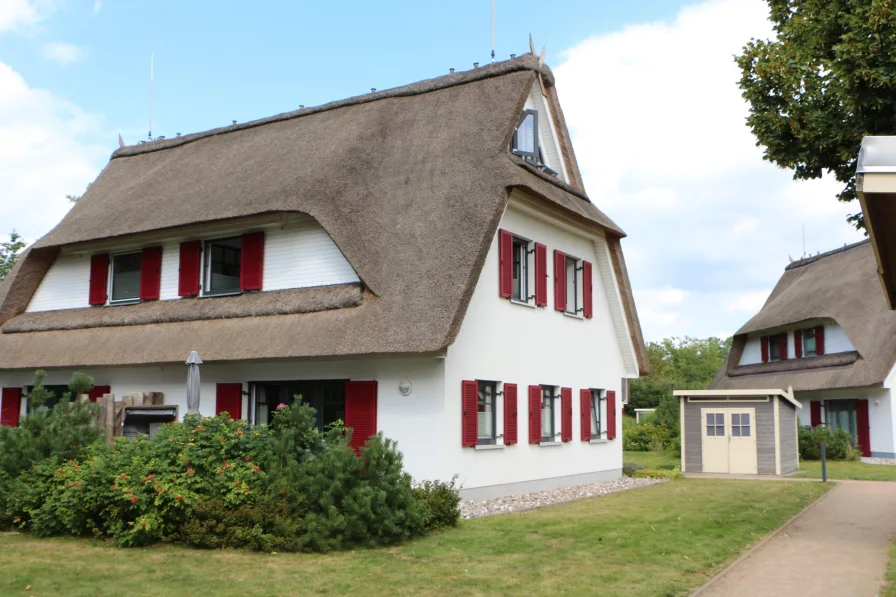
(810,348)
(222,266)
(520,269)
(525,137)
(572,285)
(487,412)
(596,419)
(547,413)
(126,276)
(776,347)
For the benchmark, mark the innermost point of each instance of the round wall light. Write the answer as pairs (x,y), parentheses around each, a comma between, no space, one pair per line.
(405,387)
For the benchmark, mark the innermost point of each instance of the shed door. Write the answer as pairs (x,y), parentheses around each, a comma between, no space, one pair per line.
(715,440)
(729,441)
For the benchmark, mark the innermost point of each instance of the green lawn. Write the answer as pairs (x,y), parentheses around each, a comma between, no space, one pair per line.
(890,589)
(662,540)
(848,470)
(652,459)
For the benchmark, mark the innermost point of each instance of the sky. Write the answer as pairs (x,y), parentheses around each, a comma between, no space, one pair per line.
(648,88)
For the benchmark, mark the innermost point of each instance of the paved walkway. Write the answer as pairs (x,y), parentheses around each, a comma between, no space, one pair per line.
(839,547)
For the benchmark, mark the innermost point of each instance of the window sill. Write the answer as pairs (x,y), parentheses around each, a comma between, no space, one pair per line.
(220,294)
(123,302)
(489,446)
(522,304)
(595,440)
(574,316)
(550,444)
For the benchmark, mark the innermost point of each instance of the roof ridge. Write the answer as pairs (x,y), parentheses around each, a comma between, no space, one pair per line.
(813,258)
(495,69)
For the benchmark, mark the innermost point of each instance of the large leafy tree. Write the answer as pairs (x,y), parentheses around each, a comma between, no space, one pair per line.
(9,252)
(825,80)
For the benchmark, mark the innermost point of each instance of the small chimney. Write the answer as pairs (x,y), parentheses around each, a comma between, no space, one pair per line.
(178,134)
(451,71)
(234,123)
(373,90)
(475,65)
(512,56)
(301,106)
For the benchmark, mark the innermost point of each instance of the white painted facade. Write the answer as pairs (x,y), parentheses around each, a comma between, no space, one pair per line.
(835,340)
(298,254)
(547,133)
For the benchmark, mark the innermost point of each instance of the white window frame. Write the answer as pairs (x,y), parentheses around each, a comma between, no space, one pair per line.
(111,287)
(578,306)
(528,291)
(206,263)
(536,141)
(601,411)
(805,353)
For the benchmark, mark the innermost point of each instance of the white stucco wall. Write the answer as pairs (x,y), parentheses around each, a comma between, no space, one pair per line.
(298,254)
(835,340)
(512,343)
(547,134)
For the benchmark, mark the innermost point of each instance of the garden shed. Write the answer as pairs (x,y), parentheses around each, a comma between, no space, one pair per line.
(744,432)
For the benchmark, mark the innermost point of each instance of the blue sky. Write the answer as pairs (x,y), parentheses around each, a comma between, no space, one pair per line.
(648,88)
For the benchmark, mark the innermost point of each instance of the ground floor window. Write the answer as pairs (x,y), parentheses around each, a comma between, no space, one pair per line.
(547,412)
(53,397)
(841,414)
(597,405)
(487,412)
(326,396)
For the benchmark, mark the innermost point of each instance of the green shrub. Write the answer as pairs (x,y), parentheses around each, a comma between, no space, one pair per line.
(648,437)
(839,444)
(630,468)
(647,473)
(439,504)
(807,445)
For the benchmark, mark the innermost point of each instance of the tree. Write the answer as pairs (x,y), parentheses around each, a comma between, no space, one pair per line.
(677,364)
(827,79)
(9,252)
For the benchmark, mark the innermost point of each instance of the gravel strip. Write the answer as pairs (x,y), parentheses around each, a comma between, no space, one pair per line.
(887,461)
(528,501)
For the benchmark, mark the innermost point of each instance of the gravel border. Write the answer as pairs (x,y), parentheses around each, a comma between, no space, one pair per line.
(529,501)
(884,461)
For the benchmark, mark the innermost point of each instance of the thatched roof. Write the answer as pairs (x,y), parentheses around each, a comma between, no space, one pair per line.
(841,285)
(410,183)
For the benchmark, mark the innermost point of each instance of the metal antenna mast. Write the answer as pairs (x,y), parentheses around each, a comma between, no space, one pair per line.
(493,30)
(804,240)
(151,84)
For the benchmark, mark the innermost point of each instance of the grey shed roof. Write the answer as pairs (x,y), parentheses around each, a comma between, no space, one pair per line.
(410,183)
(841,285)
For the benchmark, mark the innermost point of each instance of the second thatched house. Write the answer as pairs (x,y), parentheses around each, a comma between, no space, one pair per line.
(827,332)
(421,261)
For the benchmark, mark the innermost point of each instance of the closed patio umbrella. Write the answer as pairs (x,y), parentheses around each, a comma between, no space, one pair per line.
(193,383)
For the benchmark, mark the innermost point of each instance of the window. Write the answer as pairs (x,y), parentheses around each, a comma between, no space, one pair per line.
(715,424)
(596,416)
(547,413)
(809,347)
(126,277)
(51,396)
(222,266)
(740,425)
(525,137)
(520,270)
(326,396)
(841,414)
(774,347)
(487,412)
(572,285)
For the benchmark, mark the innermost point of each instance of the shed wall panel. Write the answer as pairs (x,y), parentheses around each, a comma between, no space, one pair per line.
(787,427)
(765,433)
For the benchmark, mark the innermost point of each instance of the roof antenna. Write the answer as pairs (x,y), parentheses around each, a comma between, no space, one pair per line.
(804,240)
(493,30)
(151,60)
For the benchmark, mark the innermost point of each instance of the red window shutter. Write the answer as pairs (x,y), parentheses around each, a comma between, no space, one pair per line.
(585,413)
(797,344)
(534,414)
(815,414)
(863,427)
(10,406)
(469,396)
(229,399)
(611,414)
(97,392)
(782,339)
(151,273)
(360,411)
(566,414)
(559,280)
(819,340)
(505,264)
(99,279)
(541,275)
(252,261)
(189,274)
(586,290)
(764,342)
(510,414)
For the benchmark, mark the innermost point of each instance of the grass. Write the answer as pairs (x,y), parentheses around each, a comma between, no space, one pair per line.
(661,540)
(848,470)
(890,589)
(652,459)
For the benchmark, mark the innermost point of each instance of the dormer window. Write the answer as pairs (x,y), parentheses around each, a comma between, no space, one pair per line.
(126,277)
(810,349)
(222,266)
(525,137)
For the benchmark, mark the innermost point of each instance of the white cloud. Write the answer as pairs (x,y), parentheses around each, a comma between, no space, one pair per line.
(97,5)
(61,53)
(45,154)
(657,120)
(16,13)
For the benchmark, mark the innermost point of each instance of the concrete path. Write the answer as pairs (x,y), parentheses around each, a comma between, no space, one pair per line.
(838,547)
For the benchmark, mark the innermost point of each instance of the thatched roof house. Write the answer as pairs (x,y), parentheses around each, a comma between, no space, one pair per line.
(827,332)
